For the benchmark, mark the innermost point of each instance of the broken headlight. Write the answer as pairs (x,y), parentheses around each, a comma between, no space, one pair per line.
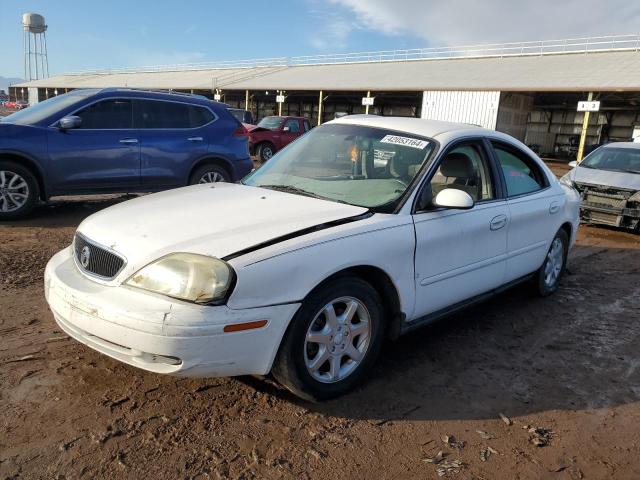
(566,180)
(186,276)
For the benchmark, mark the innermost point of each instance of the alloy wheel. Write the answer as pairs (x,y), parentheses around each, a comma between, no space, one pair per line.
(337,340)
(14,191)
(211,177)
(553,265)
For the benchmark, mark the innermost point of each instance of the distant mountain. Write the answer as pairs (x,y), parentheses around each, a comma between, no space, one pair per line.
(6,81)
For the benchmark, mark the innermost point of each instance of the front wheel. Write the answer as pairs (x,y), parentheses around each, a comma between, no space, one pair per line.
(549,275)
(19,191)
(333,340)
(266,151)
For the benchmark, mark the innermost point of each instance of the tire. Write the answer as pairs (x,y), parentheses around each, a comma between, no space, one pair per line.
(266,150)
(548,276)
(19,191)
(308,368)
(210,173)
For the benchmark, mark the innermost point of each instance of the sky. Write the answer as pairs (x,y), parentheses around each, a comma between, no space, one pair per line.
(91,34)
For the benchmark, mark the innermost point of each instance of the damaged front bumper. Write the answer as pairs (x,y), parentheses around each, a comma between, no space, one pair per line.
(160,334)
(608,206)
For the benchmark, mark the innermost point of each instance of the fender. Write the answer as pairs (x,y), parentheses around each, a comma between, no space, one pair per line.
(31,162)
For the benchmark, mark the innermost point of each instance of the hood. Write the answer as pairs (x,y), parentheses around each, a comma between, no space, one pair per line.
(592,176)
(210,219)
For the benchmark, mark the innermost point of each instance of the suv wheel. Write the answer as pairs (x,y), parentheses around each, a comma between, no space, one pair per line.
(266,151)
(209,174)
(333,340)
(19,191)
(548,277)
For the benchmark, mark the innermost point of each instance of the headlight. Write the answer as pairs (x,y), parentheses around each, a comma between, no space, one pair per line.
(187,276)
(566,180)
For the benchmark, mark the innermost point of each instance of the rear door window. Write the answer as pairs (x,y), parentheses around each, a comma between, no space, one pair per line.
(156,114)
(109,114)
(521,174)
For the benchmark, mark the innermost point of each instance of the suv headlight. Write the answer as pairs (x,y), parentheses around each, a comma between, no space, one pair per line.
(566,180)
(186,276)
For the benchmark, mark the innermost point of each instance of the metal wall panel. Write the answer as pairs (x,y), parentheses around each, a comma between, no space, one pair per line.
(477,108)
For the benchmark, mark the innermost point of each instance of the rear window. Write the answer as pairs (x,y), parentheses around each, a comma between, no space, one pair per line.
(521,174)
(160,114)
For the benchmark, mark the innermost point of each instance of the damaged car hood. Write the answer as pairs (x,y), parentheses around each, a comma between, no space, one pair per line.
(210,219)
(592,176)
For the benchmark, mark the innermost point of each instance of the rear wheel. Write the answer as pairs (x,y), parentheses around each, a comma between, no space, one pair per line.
(209,174)
(19,190)
(549,275)
(266,151)
(333,340)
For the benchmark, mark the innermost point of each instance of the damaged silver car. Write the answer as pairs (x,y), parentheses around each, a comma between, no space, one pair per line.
(609,182)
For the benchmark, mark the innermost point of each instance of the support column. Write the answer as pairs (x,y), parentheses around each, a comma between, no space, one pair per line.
(246,99)
(583,134)
(366,107)
(279,104)
(320,107)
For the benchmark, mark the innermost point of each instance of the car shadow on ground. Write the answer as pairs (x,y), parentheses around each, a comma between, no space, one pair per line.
(67,211)
(516,353)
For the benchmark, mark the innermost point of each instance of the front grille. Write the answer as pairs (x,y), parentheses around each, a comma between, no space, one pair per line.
(604,218)
(96,260)
(604,199)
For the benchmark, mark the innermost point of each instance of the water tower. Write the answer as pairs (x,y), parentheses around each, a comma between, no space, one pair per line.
(36,64)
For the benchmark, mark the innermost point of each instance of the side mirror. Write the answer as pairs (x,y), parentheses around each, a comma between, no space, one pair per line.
(573,164)
(69,122)
(286,129)
(454,198)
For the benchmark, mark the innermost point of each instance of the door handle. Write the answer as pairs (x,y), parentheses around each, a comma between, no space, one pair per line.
(129,140)
(195,139)
(554,208)
(498,222)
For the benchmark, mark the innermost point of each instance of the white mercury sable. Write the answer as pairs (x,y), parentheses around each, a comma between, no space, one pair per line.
(363,228)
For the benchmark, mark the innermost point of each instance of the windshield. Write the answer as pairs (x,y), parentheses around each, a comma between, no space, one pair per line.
(363,166)
(272,123)
(42,110)
(614,159)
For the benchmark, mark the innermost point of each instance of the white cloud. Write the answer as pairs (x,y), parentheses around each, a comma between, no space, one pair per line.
(442,22)
(331,28)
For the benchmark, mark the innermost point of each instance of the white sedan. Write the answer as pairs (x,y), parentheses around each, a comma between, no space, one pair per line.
(364,228)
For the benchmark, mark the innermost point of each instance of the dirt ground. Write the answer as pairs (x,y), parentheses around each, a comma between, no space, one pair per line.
(568,364)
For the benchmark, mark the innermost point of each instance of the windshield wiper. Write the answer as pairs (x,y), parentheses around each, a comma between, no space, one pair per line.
(292,189)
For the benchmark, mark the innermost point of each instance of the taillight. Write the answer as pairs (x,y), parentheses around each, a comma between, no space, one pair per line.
(241,131)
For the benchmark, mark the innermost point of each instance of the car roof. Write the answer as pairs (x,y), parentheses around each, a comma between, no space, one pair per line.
(622,145)
(416,126)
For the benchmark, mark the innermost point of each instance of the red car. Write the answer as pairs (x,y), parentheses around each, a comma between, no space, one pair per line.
(17,105)
(273,133)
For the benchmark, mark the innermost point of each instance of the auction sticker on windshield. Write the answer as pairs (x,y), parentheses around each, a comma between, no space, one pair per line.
(406,141)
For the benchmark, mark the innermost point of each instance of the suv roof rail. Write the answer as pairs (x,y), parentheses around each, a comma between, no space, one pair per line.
(151,90)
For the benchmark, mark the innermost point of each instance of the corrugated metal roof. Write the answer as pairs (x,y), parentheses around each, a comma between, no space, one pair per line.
(601,71)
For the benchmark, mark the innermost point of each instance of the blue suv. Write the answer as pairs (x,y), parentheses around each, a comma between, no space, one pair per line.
(116,140)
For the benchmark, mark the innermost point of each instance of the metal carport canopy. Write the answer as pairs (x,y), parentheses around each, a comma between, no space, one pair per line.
(594,71)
